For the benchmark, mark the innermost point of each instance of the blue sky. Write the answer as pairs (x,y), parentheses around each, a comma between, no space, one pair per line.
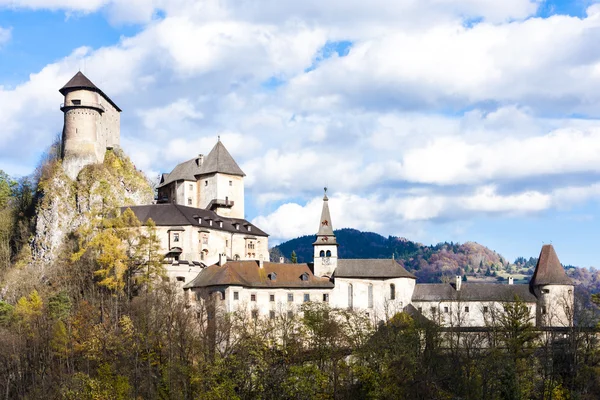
(437,121)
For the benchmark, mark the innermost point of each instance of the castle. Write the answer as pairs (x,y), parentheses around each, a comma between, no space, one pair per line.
(215,254)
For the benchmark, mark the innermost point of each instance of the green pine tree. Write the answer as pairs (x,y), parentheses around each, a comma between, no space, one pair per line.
(294,257)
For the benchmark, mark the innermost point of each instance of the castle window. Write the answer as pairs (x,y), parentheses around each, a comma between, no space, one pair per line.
(370,296)
(76,102)
(544,310)
(180,279)
(191,187)
(433,310)
(253,297)
(485,309)
(306,297)
(322,253)
(290,297)
(236,295)
(176,237)
(230,183)
(466,309)
(272,314)
(350,296)
(226,243)
(271,297)
(325,297)
(189,201)
(545,291)
(205,183)
(392,291)
(328,253)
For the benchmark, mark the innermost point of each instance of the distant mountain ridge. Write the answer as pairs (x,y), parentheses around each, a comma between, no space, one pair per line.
(429,263)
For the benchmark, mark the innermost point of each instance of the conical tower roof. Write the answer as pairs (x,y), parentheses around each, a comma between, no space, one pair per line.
(549,270)
(80,81)
(325,234)
(219,160)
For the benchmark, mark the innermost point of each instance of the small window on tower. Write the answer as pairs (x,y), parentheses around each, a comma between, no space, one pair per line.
(205,183)
(176,237)
(76,102)
(328,253)
(191,187)
(322,253)
(230,183)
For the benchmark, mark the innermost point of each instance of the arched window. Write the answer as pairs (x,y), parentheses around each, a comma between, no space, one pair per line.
(322,253)
(392,291)
(370,296)
(350,296)
(328,254)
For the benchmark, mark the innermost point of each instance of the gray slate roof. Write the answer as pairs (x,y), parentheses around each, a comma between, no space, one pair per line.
(177,215)
(218,160)
(370,268)
(472,292)
(549,269)
(80,81)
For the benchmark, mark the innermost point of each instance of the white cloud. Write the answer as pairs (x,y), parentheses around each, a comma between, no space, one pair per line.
(5,35)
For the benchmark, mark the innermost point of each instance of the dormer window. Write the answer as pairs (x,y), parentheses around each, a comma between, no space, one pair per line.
(249,228)
(272,276)
(210,222)
(304,276)
(237,227)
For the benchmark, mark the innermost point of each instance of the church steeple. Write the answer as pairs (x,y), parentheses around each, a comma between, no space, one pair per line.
(326,246)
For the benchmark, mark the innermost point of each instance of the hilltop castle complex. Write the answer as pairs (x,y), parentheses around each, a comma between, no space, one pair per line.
(214,253)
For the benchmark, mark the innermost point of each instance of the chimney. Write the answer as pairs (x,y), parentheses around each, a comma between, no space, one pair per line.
(200,160)
(222,259)
(261,263)
(281,260)
(458,282)
(511,280)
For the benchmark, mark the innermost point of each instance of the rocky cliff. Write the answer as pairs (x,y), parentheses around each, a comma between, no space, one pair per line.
(67,204)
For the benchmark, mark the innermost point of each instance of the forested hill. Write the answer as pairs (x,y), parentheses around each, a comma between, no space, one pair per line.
(429,263)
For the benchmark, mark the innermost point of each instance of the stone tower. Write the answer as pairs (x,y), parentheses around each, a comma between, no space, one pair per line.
(554,290)
(214,182)
(325,247)
(91,124)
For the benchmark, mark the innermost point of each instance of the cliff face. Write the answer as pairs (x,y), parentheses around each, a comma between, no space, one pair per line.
(67,204)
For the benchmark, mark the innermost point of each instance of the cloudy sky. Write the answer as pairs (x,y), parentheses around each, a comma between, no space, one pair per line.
(436,120)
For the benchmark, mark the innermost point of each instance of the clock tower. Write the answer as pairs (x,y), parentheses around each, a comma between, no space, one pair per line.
(325,247)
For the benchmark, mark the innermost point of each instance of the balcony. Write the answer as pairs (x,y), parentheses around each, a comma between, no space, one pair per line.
(214,203)
(81,104)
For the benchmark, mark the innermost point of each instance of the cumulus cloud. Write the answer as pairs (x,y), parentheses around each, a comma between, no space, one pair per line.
(5,35)
(428,116)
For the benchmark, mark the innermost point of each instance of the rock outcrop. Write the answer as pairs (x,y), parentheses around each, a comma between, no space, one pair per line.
(67,204)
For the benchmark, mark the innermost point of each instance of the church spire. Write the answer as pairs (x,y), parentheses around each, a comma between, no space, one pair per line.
(325,234)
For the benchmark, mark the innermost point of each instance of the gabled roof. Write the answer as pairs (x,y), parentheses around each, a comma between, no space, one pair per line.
(171,214)
(549,270)
(249,274)
(472,292)
(80,81)
(370,268)
(217,161)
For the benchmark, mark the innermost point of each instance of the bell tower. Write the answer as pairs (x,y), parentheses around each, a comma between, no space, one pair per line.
(325,247)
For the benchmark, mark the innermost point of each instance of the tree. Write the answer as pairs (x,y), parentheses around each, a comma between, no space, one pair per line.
(293,257)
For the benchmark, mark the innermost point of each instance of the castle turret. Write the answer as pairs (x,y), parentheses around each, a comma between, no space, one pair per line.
(554,290)
(326,246)
(91,124)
